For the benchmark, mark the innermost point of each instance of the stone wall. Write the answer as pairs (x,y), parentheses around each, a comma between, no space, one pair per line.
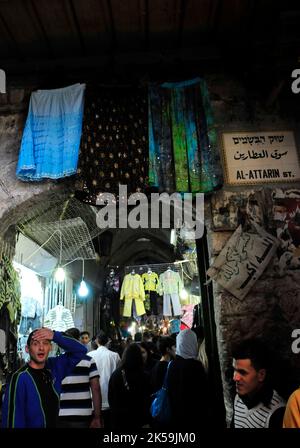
(272,307)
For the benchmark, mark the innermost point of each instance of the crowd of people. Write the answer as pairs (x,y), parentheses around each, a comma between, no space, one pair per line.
(101,383)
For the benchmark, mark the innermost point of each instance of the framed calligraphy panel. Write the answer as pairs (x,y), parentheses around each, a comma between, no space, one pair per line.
(260,157)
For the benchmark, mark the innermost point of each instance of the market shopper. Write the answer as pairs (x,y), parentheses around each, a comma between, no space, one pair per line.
(129,392)
(85,339)
(107,361)
(32,395)
(291,417)
(167,349)
(80,398)
(256,404)
(148,358)
(188,387)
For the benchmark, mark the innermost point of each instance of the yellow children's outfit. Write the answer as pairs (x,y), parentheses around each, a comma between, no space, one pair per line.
(133,289)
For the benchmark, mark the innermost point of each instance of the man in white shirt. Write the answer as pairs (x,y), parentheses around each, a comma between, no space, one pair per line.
(107,362)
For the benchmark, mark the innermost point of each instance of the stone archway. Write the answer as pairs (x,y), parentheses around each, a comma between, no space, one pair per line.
(17,197)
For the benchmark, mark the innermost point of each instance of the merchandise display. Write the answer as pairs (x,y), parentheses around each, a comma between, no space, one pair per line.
(59,318)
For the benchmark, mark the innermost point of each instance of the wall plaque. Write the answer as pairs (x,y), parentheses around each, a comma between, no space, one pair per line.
(260,157)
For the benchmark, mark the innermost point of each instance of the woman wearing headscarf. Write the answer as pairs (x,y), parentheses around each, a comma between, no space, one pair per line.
(187,386)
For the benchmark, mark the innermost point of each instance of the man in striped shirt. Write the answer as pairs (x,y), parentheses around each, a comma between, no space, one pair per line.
(80,398)
(256,404)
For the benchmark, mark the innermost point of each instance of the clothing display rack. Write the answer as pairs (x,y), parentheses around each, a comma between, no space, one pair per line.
(159,268)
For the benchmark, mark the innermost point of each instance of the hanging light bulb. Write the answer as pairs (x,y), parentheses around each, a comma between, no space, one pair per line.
(60,275)
(83,289)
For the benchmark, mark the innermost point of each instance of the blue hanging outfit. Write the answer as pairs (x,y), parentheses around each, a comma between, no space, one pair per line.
(51,138)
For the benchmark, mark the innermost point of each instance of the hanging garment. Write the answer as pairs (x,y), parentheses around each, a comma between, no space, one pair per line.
(169,283)
(10,290)
(111,297)
(30,307)
(174,300)
(59,318)
(31,313)
(114,144)
(133,289)
(51,138)
(29,324)
(153,296)
(188,315)
(182,138)
(147,304)
(150,281)
(2,81)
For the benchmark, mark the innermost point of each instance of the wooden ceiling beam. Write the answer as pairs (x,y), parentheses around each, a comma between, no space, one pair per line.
(144,13)
(137,59)
(73,19)
(112,26)
(11,37)
(182,14)
(34,15)
(214,12)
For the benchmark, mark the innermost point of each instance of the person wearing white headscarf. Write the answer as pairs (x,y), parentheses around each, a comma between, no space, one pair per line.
(187,345)
(187,386)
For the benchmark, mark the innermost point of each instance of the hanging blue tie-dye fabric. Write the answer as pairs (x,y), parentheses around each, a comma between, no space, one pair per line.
(51,138)
(182,138)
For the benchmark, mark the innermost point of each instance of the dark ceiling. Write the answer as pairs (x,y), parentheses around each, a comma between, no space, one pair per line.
(122,36)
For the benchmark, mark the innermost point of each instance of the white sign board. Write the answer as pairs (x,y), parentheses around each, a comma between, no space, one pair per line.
(242,260)
(260,157)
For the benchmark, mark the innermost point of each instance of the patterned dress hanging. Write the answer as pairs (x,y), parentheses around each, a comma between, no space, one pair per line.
(114,143)
(182,138)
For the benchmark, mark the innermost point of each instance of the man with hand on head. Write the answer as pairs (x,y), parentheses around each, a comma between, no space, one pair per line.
(31,398)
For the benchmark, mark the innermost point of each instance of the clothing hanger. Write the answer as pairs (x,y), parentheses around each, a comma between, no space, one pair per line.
(149,271)
(132,272)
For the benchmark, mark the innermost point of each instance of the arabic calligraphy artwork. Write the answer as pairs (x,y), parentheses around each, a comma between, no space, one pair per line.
(242,260)
(260,157)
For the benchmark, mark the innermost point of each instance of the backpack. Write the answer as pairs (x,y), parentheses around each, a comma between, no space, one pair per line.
(160,408)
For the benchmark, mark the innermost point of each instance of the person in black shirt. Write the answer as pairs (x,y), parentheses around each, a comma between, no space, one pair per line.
(49,398)
(166,347)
